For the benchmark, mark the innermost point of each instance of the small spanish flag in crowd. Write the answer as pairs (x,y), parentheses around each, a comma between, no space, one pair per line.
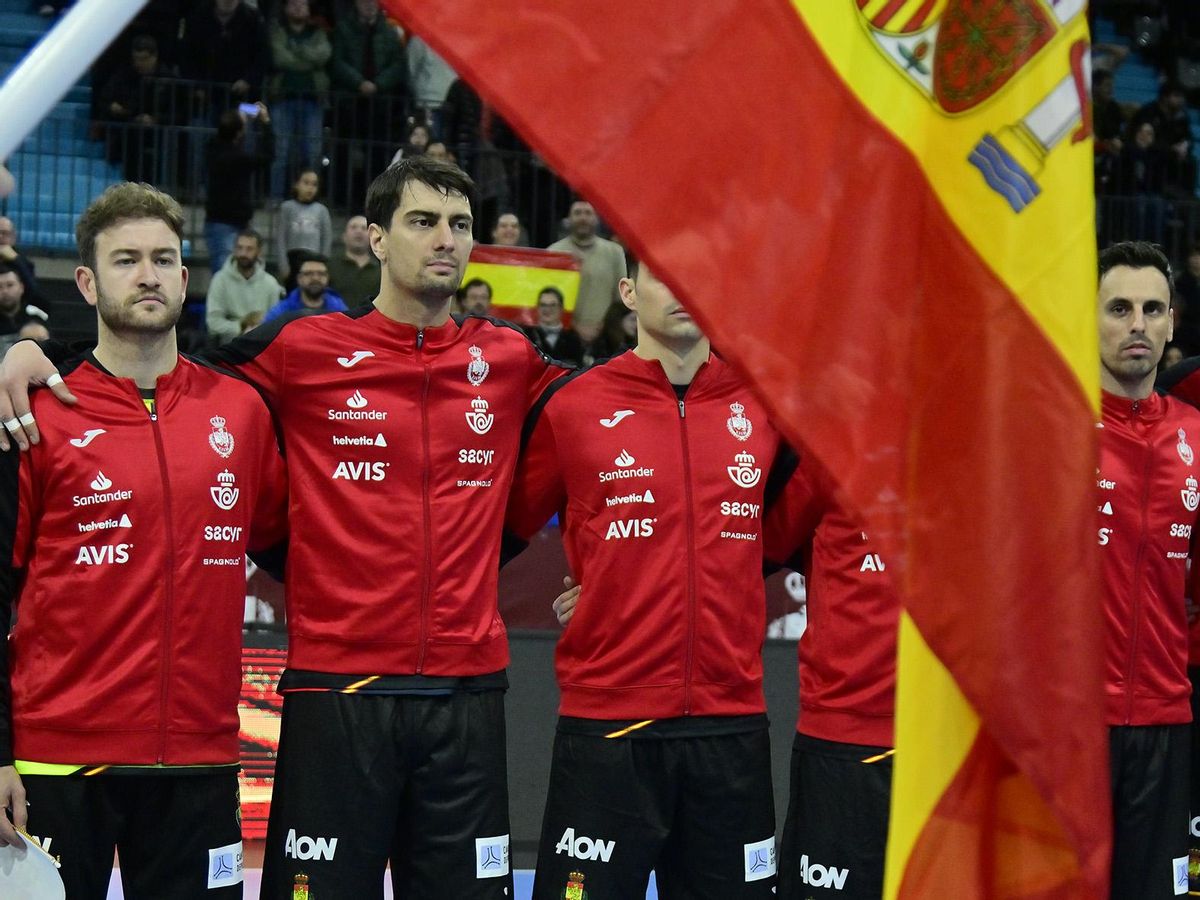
(882,212)
(517,275)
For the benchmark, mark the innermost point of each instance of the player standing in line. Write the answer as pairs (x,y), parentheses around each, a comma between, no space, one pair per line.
(659,460)
(119,693)
(1148,495)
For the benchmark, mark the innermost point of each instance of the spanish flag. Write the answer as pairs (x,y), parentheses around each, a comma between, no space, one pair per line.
(517,275)
(881,211)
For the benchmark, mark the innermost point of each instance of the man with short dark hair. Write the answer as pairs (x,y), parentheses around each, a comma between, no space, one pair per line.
(1148,494)
(475,298)
(119,683)
(242,292)
(550,335)
(354,273)
(664,462)
(15,313)
(312,293)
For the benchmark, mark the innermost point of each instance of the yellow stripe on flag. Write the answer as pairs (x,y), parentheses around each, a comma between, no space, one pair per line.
(518,286)
(934,731)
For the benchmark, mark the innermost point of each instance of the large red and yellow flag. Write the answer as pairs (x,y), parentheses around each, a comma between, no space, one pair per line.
(881,211)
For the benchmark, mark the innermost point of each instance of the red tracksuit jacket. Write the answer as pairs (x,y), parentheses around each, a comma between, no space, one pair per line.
(662,505)
(124,540)
(847,654)
(401,446)
(1147,494)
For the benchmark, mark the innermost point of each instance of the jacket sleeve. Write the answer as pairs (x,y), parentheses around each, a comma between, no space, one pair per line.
(792,520)
(392,77)
(543,372)
(347,67)
(267,545)
(259,356)
(217,312)
(16,513)
(538,489)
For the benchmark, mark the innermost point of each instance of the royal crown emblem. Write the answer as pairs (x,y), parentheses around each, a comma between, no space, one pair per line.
(739,426)
(743,472)
(479,419)
(220,440)
(574,889)
(224,494)
(1190,495)
(1185,452)
(477,368)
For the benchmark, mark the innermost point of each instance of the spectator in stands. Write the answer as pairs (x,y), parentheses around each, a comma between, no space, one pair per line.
(479,141)
(7,183)
(232,170)
(369,62)
(1108,122)
(549,334)
(225,41)
(1186,305)
(304,224)
(1173,136)
(137,101)
(11,255)
(312,291)
(475,298)
(1141,178)
(602,266)
(617,334)
(415,144)
(430,78)
(300,52)
(242,292)
(15,312)
(355,273)
(507,230)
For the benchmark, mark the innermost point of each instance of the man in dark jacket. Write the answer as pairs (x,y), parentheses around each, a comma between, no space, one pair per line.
(232,168)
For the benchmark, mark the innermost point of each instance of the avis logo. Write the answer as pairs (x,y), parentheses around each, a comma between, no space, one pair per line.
(105,554)
(223,493)
(625,528)
(816,875)
(304,847)
(479,419)
(584,847)
(744,473)
(361,471)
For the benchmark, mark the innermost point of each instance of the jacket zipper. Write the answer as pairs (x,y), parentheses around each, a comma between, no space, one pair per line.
(426,572)
(169,536)
(1137,578)
(691,563)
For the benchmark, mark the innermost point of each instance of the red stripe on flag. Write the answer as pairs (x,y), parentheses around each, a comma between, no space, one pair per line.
(918,18)
(524,256)
(823,266)
(884,15)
